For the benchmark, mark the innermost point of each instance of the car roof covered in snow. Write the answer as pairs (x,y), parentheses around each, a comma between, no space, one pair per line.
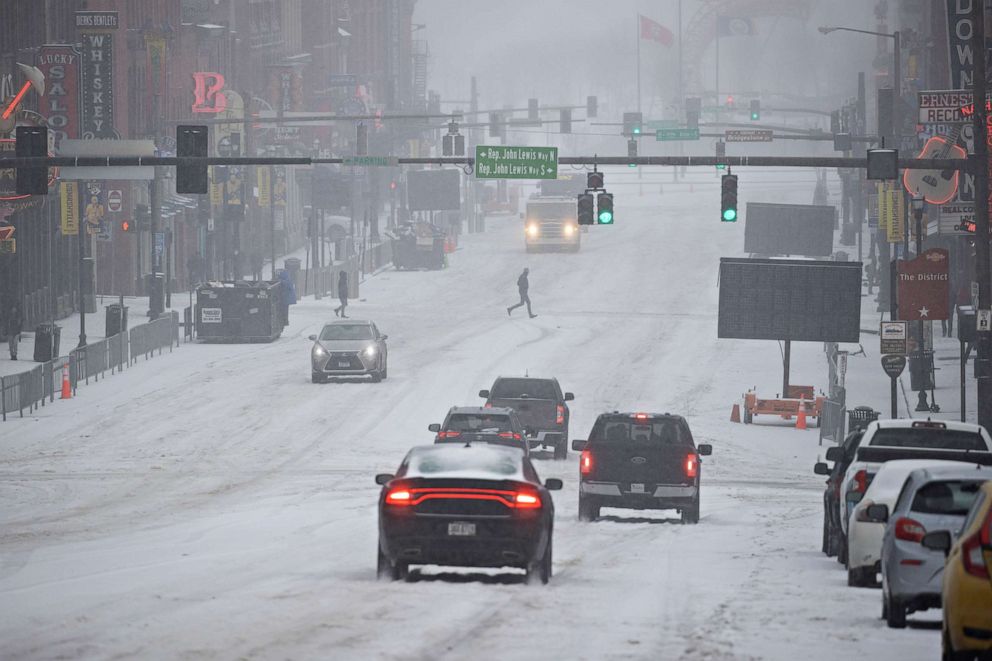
(475,461)
(887,484)
(480,410)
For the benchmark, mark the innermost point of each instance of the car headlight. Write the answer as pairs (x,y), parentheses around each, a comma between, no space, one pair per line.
(533,230)
(370,351)
(569,230)
(319,351)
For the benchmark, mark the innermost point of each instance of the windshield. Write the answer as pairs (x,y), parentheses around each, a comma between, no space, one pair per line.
(346,332)
(660,432)
(551,210)
(470,422)
(427,463)
(524,388)
(947,497)
(922,437)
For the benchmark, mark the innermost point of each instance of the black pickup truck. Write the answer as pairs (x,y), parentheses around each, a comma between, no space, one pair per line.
(540,405)
(640,461)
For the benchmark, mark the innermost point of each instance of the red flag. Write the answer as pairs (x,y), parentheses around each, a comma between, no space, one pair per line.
(655,31)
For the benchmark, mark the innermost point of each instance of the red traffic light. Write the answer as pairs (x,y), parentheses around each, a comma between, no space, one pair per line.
(392,185)
(125,226)
(730,101)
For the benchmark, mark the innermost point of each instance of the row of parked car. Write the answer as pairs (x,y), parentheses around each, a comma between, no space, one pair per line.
(474,498)
(911,501)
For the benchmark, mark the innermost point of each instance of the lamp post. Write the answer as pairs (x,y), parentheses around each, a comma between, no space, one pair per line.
(918,203)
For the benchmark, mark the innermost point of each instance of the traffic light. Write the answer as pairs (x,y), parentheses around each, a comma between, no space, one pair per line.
(604,213)
(190,177)
(125,226)
(142,218)
(632,122)
(632,148)
(592,104)
(594,180)
(721,152)
(31,141)
(586,212)
(755,110)
(532,109)
(730,100)
(728,198)
(362,140)
(565,120)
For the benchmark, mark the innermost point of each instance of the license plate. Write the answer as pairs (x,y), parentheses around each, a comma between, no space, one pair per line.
(461,529)
(344,363)
(636,488)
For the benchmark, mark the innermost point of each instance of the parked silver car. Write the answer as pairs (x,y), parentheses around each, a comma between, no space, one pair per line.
(348,348)
(934,498)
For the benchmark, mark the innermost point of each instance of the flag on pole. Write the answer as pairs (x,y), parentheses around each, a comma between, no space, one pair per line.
(655,31)
(734,26)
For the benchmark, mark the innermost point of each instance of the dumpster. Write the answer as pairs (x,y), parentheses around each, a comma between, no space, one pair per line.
(46,342)
(116,321)
(859,417)
(242,311)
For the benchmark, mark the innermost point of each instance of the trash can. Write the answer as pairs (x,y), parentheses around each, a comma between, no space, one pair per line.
(859,417)
(46,342)
(116,319)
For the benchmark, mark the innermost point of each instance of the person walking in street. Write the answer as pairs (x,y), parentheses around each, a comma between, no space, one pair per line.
(342,294)
(522,286)
(13,330)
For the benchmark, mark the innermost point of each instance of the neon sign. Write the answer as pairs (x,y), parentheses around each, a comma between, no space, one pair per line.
(207,89)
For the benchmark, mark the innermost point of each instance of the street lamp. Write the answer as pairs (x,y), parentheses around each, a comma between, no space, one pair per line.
(918,205)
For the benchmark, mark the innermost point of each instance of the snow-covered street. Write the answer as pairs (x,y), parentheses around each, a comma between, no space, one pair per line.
(214,503)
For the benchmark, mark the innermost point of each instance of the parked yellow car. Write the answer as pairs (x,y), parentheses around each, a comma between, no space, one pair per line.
(967,586)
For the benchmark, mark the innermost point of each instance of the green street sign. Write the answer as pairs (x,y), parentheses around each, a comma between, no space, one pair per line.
(655,124)
(371,161)
(508,162)
(676,134)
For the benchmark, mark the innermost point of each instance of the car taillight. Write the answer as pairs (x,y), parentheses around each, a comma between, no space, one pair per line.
(585,462)
(909,530)
(400,497)
(487,405)
(509,434)
(560,419)
(861,481)
(691,466)
(526,501)
(972,557)
(449,434)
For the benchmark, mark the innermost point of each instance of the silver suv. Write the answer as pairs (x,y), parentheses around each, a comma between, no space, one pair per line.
(348,348)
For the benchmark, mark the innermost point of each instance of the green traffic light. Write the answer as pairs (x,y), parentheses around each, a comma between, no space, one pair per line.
(729,215)
(721,166)
(605,217)
(637,130)
(754,116)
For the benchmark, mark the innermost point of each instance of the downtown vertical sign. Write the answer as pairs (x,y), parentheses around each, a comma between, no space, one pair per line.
(97,110)
(60,64)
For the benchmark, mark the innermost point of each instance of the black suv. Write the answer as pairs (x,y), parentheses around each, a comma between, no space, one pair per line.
(640,461)
(465,424)
(541,406)
(834,542)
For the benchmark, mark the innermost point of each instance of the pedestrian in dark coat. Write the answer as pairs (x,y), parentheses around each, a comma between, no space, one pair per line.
(342,294)
(13,330)
(522,286)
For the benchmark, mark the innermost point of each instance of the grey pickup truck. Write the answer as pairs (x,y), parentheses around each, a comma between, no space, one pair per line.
(541,407)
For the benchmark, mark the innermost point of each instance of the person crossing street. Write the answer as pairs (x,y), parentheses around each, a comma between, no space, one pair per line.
(522,286)
(342,294)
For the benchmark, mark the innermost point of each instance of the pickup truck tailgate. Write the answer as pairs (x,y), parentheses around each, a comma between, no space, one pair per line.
(647,463)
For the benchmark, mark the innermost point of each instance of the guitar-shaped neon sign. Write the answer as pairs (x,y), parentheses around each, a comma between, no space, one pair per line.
(936,186)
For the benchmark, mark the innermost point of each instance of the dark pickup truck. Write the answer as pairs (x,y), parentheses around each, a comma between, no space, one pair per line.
(640,461)
(540,406)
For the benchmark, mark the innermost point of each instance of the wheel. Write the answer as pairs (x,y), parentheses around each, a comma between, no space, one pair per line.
(385,372)
(587,510)
(691,514)
(894,612)
(561,449)
(316,378)
(825,544)
(748,418)
(842,548)
(860,577)
(833,542)
(947,651)
(376,377)
(541,570)
(385,570)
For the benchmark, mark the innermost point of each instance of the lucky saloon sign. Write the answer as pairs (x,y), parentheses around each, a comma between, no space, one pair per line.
(924,286)
(60,104)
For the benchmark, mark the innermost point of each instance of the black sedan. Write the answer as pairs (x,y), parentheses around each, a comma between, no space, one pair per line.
(466,505)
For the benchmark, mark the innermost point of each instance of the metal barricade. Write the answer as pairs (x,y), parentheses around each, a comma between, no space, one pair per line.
(832,421)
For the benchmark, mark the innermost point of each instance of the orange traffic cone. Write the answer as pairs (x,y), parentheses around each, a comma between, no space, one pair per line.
(735,413)
(801,416)
(66,387)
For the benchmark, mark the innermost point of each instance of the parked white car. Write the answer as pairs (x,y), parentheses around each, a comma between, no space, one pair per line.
(864,535)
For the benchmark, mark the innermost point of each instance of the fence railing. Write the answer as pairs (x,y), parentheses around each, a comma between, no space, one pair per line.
(30,389)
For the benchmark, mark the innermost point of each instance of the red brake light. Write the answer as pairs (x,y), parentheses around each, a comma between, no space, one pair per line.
(560,419)
(401,497)
(971,556)
(985,534)
(691,465)
(909,530)
(526,501)
(449,434)
(487,405)
(509,434)
(585,462)
(640,416)
(861,481)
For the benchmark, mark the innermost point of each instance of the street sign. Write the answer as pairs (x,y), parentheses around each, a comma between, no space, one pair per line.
(893,365)
(371,161)
(983,321)
(159,244)
(508,162)
(665,135)
(115,201)
(923,288)
(893,337)
(655,124)
(749,135)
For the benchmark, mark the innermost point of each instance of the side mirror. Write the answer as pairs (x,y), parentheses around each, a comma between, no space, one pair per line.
(569,396)
(553,484)
(821,468)
(704,449)
(484,394)
(434,427)
(384,338)
(938,540)
(312,338)
(579,445)
(835,453)
(383,478)
(878,513)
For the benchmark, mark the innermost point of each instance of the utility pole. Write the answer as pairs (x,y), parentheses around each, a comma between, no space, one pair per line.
(155,260)
(980,168)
